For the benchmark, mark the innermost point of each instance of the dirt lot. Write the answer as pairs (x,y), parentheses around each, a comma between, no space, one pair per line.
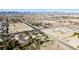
(19,27)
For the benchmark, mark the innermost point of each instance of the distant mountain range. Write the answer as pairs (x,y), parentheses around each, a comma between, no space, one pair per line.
(57,13)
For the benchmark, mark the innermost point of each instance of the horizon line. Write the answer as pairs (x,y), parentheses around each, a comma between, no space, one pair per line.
(41,10)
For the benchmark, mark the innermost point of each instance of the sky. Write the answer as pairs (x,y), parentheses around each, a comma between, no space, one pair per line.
(42,10)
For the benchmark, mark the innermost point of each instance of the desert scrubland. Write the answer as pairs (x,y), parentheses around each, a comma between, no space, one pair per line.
(62,27)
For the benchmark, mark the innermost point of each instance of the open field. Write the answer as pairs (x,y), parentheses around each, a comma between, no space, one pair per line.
(19,27)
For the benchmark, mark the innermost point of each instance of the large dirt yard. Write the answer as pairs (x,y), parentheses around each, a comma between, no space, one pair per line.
(18,27)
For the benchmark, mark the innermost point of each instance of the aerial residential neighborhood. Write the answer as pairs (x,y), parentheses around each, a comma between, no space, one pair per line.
(39,31)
